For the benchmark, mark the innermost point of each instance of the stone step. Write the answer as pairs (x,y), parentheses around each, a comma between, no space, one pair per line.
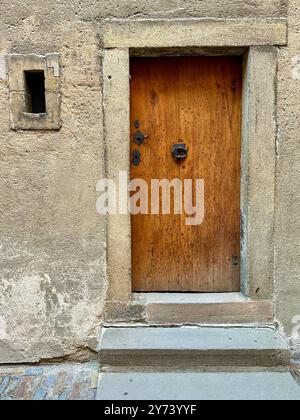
(192,347)
(206,309)
(198,386)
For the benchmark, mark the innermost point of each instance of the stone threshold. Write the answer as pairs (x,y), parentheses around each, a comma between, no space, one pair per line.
(208,308)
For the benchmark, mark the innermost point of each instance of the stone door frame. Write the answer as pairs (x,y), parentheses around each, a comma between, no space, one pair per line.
(257,41)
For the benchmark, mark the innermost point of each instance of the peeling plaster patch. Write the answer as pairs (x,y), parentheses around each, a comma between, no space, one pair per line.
(51,295)
(25,294)
(82,319)
(3,68)
(3,333)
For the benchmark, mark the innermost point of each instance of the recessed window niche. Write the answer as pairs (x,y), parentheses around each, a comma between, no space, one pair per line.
(35,101)
(34,85)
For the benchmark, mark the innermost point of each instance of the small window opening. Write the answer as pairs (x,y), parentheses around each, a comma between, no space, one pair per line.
(35,92)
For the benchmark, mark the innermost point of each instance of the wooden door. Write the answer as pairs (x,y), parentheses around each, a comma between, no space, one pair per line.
(195,101)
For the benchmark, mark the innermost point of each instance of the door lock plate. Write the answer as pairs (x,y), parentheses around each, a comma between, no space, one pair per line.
(136,157)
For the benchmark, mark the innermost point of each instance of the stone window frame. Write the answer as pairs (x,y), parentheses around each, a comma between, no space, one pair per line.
(19,118)
(257,41)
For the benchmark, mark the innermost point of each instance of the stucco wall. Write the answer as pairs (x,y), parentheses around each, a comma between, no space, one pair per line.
(287,228)
(52,242)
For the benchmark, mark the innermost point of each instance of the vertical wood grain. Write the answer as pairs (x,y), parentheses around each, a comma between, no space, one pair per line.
(197,101)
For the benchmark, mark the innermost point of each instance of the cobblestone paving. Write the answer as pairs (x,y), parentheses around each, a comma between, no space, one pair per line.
(296,372)
(63,382)
(58,382)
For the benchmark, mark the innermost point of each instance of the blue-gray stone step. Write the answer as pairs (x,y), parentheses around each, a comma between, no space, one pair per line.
(191,347)
(198,386)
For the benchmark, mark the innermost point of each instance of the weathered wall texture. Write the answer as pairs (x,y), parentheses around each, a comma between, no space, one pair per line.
(52,264)
(52,242)
(287,232)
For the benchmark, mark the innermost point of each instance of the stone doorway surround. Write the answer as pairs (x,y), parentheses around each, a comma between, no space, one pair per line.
(257,41)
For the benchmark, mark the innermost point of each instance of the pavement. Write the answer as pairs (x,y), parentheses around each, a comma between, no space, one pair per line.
(53,382)
(80,382)
(205,386)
